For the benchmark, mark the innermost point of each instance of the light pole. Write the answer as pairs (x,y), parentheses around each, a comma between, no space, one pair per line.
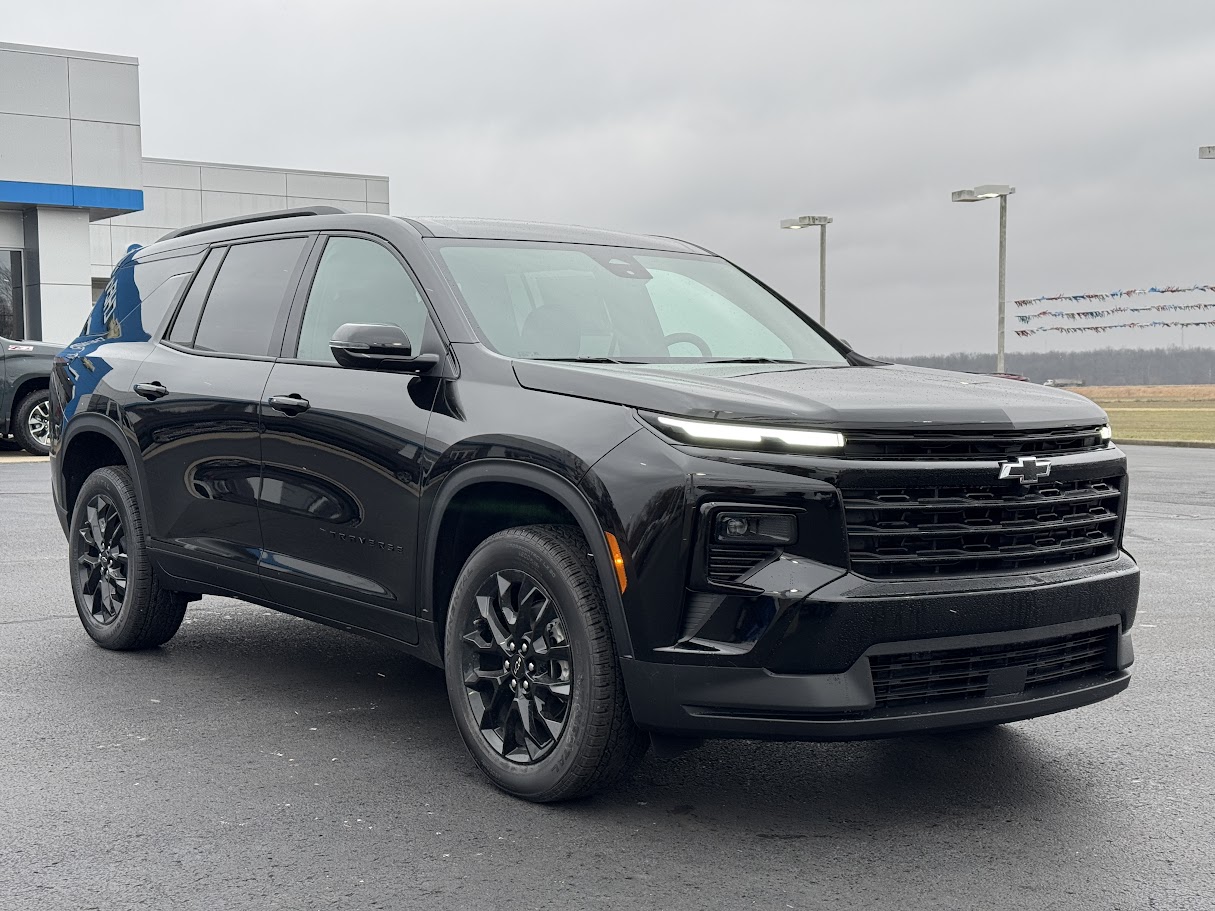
(809,221)
(990,191)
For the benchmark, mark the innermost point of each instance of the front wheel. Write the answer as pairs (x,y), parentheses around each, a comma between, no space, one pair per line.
(32,423)
(117,591)
(531,668)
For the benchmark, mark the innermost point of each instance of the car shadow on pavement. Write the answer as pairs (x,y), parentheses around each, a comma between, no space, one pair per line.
(229,653)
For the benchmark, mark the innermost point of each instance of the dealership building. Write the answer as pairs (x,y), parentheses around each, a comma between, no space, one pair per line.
(76,191)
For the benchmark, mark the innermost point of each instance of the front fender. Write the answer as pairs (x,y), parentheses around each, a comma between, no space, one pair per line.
(590,520)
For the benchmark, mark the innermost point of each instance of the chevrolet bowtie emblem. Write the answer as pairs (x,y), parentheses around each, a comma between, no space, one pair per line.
(1026,469)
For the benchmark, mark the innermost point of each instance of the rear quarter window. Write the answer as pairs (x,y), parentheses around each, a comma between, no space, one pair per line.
(137,298)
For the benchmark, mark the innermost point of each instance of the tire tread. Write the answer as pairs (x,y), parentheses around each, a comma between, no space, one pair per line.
(616,745)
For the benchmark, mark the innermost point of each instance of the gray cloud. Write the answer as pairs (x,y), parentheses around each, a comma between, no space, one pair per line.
(713,120)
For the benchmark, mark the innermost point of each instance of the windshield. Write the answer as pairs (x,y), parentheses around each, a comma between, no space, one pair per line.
(584,302)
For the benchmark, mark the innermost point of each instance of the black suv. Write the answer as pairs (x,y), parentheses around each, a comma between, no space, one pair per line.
(620,490)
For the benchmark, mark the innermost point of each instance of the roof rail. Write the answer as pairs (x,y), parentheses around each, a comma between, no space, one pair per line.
(251,219)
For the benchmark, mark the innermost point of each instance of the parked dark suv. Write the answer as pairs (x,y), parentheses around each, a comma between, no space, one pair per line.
(620,490)
(25,411)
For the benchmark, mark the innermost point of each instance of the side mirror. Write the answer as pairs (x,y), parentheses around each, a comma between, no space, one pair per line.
(371,346)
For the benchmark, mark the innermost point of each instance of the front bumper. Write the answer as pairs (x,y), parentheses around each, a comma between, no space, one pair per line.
(681,709)
(812,678)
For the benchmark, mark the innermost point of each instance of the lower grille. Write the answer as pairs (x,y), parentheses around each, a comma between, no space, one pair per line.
(727,562)
(935,531)
(919,678)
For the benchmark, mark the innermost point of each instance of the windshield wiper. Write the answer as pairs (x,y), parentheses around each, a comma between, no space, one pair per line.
(584,359)
(752,360)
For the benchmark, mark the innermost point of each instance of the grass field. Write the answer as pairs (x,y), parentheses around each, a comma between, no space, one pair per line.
(1158,412)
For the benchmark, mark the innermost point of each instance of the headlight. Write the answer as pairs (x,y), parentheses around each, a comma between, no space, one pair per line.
(1107,433)
(687,431)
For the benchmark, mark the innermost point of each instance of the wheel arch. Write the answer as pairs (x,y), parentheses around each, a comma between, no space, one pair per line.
(530,481)
(93,441)
(23,388)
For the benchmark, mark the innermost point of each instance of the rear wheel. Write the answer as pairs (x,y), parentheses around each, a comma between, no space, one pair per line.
(32,424)
(531,668)
(118,594)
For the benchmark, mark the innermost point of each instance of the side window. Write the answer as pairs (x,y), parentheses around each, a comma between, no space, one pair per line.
(358,281)
(186,321)
(137,297)
(247,297)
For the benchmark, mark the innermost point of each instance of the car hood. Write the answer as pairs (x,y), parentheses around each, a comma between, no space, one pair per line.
(29,346)
(888,395)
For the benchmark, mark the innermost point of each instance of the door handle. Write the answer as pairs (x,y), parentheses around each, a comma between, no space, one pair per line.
(151,391)
(289,404)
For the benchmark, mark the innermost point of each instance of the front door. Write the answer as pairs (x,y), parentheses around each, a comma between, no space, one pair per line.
(342,449)
(196,415)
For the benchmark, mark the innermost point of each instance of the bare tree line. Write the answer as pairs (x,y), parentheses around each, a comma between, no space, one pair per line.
(1101,367)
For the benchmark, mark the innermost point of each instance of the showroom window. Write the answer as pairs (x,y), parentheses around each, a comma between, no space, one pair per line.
(12,309)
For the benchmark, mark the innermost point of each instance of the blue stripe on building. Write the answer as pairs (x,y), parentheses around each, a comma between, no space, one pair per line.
(61,194)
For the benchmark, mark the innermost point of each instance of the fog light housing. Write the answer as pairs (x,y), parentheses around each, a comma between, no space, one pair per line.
(773,529)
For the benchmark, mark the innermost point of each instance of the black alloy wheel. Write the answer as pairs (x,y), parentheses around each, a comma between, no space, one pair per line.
(532,672)
(517,666)
(119,596)
(101,567)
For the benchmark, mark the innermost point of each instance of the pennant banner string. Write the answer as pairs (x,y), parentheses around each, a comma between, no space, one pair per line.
(1155,324)
(1110,295)
(1101,314)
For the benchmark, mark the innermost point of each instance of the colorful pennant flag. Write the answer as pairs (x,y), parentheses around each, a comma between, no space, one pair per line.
(1155,324)
(1110,295)
(1101,314)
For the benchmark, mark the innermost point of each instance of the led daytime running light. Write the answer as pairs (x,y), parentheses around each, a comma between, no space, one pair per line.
(744,433)
(1107,433)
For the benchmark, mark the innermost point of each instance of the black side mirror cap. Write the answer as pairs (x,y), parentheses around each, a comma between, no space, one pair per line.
(375,346)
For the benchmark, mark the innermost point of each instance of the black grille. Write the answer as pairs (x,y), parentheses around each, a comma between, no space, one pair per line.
(917,678)
(729,561)
(936,531)
(982,444)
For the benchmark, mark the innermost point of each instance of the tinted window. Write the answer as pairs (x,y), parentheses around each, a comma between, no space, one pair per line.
(247,297)
(186,322)
(136,298)
(358,281)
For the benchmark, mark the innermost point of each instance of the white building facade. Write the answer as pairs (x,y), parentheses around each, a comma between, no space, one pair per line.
(76,191)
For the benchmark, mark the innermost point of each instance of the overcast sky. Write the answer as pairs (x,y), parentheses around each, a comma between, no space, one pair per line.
(714,120)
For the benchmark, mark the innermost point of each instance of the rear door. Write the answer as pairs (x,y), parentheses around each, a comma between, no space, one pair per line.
(196,412)
(343,447)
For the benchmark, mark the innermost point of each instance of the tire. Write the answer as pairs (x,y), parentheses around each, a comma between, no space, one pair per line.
(117,591)
(553,664)
(32,422)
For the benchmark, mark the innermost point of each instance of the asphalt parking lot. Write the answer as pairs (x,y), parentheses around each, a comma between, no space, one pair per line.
(260,761)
